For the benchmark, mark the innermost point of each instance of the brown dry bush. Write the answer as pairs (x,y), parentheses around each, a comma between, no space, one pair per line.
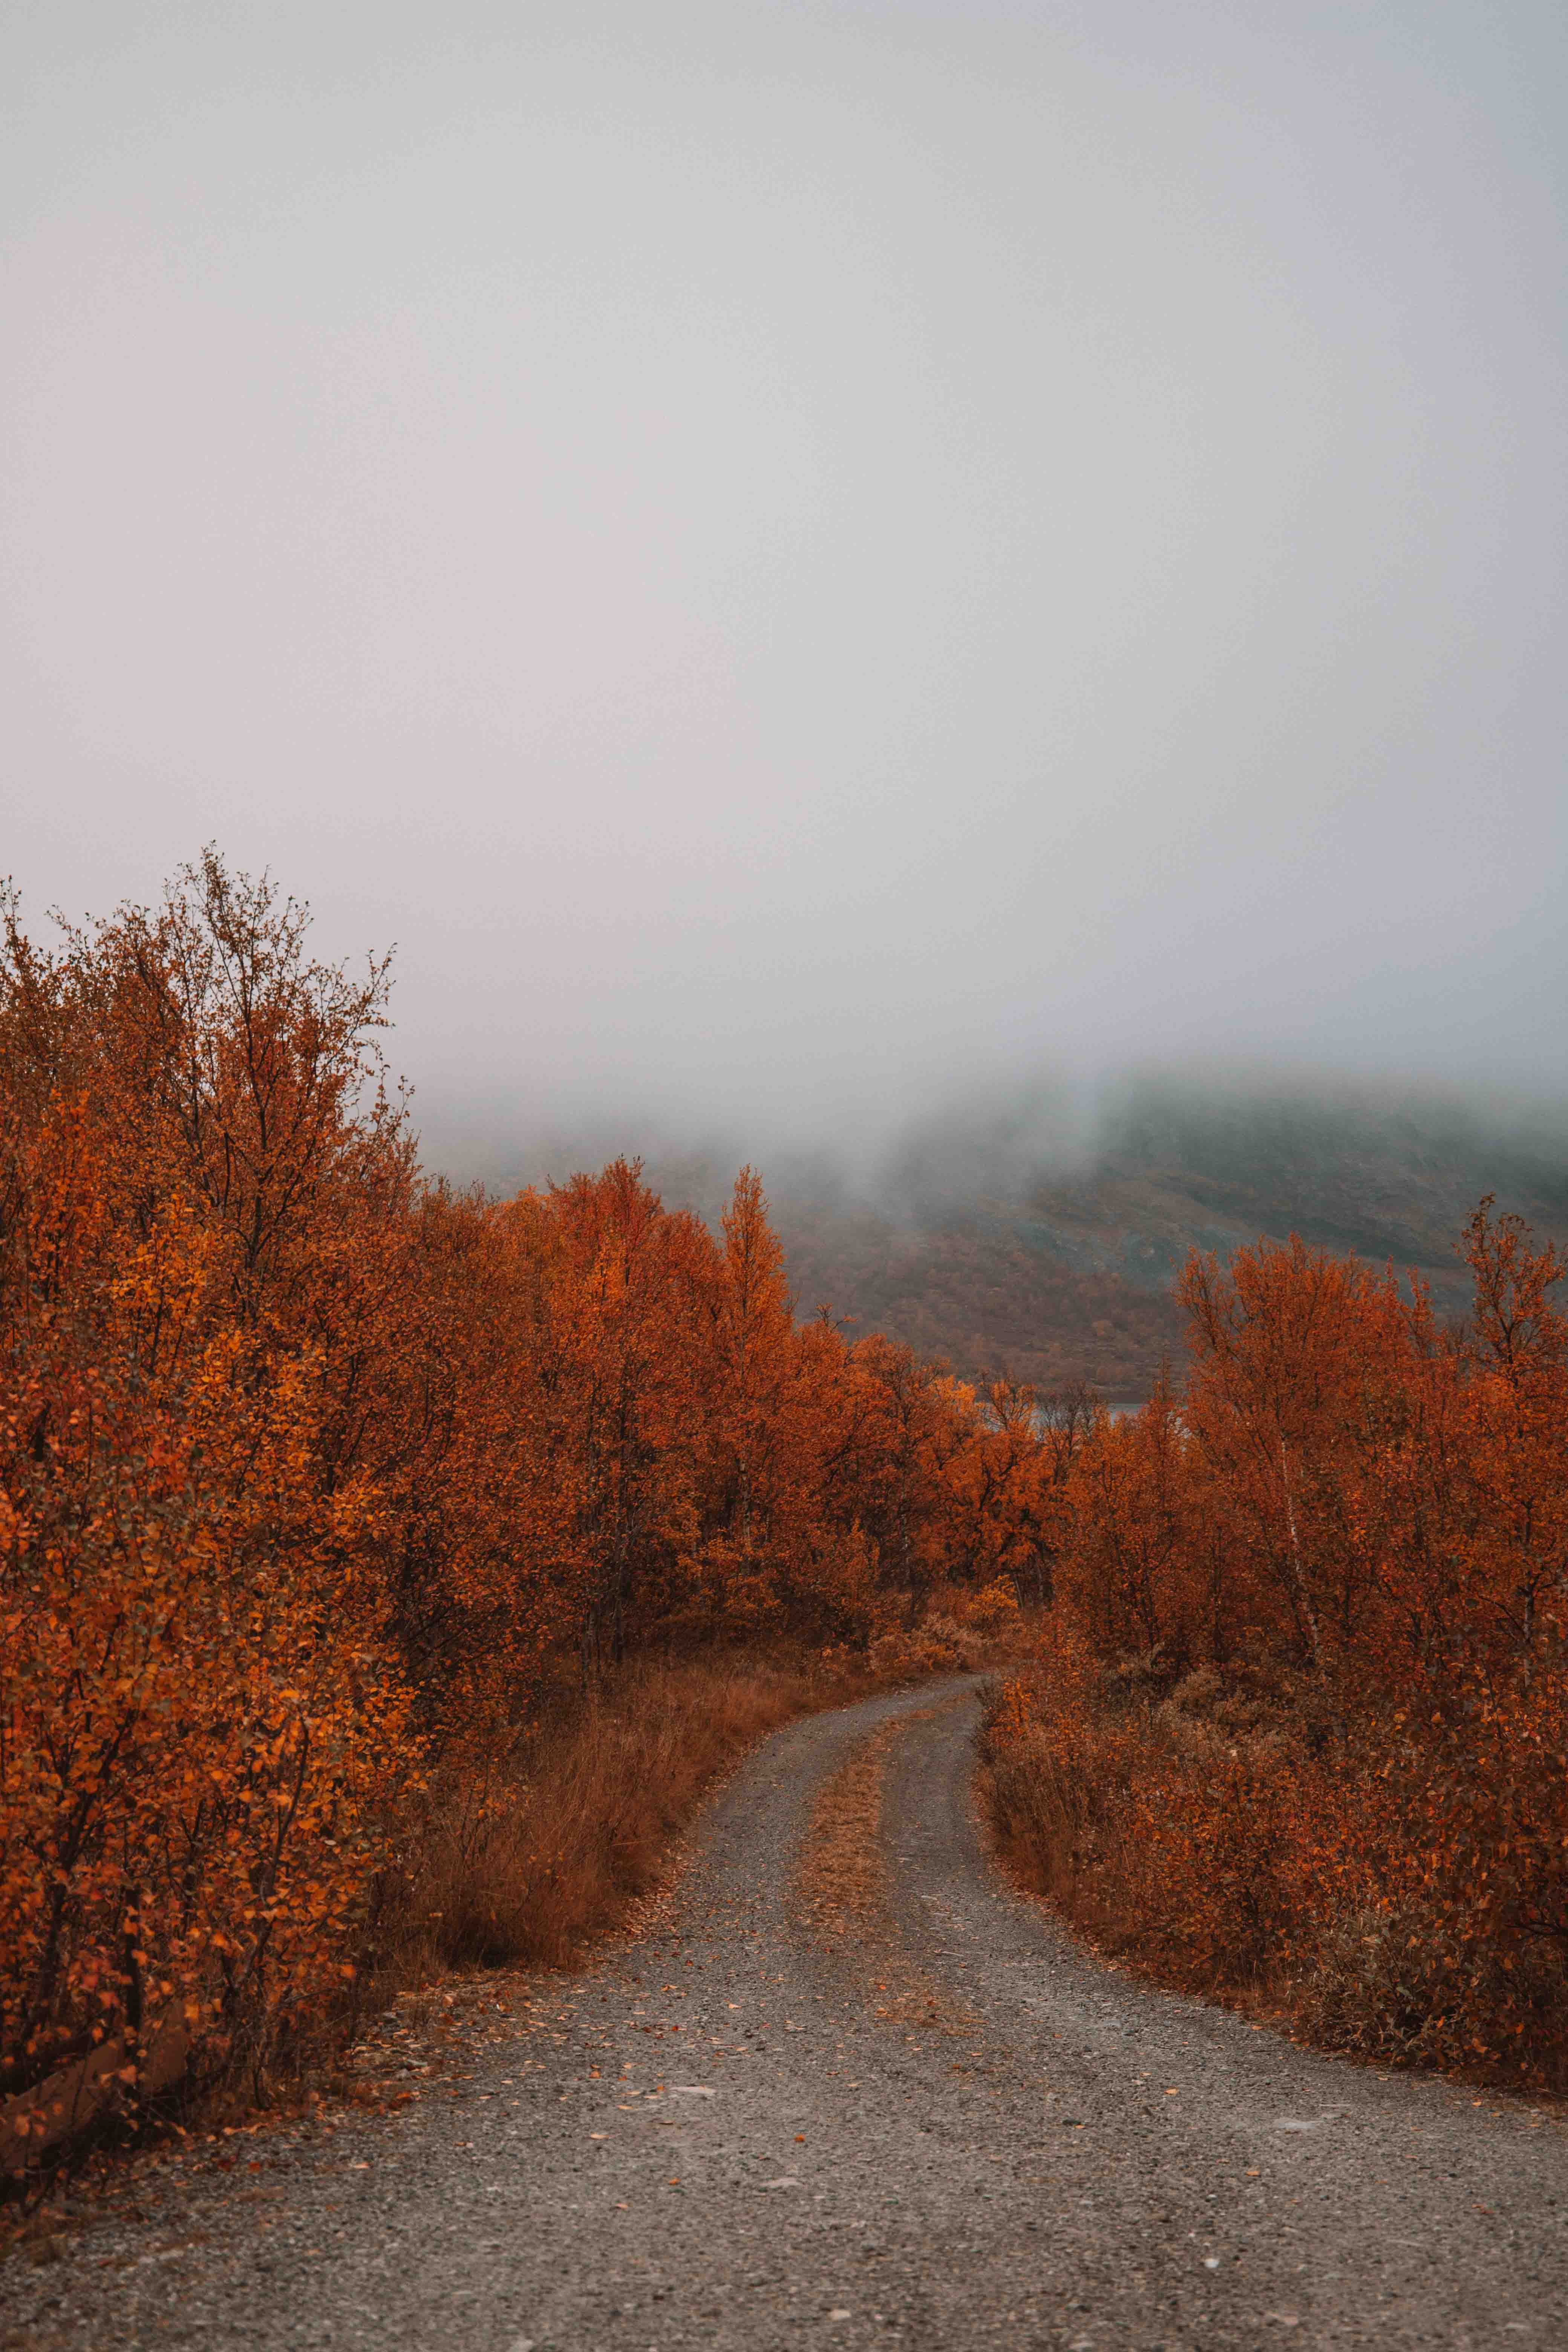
(1238,1864)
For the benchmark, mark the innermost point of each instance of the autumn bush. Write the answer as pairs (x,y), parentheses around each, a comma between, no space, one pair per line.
(321,1483)
(1298,1729)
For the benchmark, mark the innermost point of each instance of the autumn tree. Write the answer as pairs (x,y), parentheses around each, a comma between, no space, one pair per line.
(318,1477)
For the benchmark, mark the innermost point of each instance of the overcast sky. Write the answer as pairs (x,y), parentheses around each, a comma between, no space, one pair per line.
(793,555)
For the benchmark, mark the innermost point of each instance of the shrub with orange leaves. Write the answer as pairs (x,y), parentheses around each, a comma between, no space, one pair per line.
(199,1720)
(1302,1732)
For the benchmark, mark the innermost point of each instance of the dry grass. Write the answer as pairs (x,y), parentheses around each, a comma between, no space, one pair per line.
(843,1875)
(843,1889)
(523,1859)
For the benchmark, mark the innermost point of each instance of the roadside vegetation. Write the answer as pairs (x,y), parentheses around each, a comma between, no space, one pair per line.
(1298,1732)
(385,1568)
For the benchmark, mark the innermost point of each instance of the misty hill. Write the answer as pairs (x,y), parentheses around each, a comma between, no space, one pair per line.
(1176,1168)
(1045,1243)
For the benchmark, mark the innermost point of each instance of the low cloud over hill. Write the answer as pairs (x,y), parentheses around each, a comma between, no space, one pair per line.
(1042,1236)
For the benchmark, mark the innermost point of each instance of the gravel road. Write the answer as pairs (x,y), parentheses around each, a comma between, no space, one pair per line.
(713,2137)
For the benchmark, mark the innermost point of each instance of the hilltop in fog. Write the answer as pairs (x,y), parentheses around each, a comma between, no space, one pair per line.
(1042,1236)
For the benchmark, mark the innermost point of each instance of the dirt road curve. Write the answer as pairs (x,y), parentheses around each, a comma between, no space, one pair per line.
(1022,2149)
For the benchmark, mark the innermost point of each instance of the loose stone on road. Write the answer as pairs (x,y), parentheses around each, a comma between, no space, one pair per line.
(846,2087)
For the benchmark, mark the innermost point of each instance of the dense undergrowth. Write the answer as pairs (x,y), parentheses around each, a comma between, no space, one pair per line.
(329,1495)
(1298,1732)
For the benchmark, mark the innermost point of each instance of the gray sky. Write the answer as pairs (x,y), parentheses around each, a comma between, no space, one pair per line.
(794,555)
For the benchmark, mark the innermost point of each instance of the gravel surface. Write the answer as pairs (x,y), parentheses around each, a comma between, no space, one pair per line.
(712,2138)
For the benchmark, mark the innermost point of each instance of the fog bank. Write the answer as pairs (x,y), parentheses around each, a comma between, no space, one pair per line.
(803,560)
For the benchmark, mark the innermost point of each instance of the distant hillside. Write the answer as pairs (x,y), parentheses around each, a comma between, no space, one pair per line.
(980,1288)
(1176,1168)
(1055,1260)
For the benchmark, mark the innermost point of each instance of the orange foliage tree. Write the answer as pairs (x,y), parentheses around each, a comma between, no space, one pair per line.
(200,1719)
(1323,1600)
(313,1470)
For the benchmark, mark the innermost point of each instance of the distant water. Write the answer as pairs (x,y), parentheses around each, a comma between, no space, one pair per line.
(1118,1409)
